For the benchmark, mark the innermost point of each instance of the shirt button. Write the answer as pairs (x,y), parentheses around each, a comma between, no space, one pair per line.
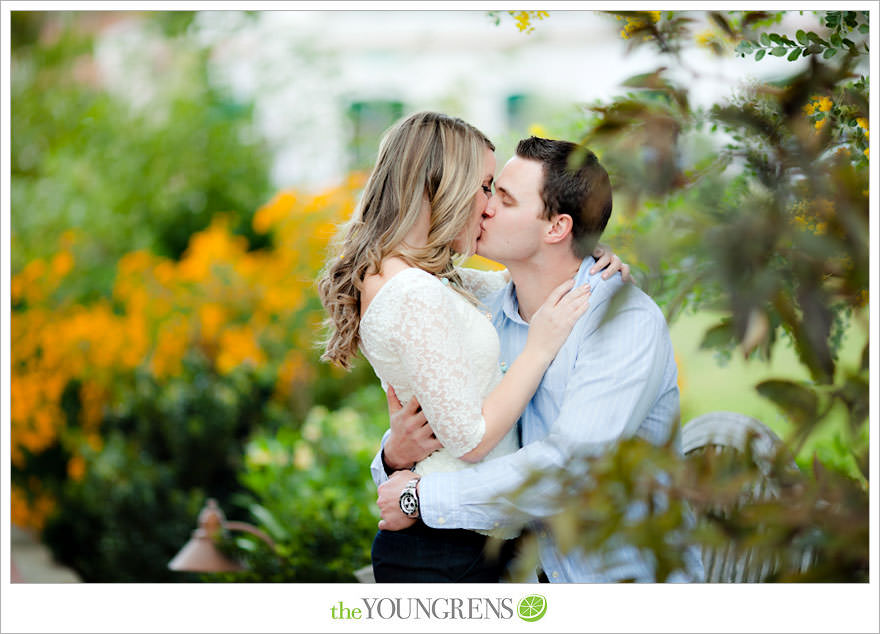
(555,575)
(441,520)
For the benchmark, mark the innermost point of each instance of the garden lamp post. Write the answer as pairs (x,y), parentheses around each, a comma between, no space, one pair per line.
(200,554)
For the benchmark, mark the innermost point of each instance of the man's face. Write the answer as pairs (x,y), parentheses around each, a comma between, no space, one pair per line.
(512,227)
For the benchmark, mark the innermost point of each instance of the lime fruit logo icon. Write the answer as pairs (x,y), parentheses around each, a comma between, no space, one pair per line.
(532,607)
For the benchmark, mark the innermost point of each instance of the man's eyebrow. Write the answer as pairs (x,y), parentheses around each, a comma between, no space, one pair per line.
(503,190)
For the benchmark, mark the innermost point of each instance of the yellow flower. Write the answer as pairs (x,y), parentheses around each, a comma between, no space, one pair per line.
(536,129)
(211,318)
(825,104)
(703,38)
(76,468)
(62,264)
(238,345)
(275,211)
(820,123)
(524,18)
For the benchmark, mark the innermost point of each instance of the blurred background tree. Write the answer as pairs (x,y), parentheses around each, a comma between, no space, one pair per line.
(139,168)
(755,210)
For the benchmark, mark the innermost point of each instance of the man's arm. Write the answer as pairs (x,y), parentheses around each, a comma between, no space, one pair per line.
(613,384)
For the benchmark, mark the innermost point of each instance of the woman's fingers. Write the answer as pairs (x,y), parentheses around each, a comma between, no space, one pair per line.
(558,292)
(603,259)
(614,264)
(575,294)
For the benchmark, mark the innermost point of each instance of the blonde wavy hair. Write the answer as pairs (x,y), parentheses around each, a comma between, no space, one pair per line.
(426,155)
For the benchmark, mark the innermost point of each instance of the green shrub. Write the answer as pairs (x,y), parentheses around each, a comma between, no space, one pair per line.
(309,488)
(167,446)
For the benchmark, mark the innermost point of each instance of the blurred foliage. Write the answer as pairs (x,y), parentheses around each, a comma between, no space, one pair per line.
(173,371)
(754,506)
(139,158)
(757,209)
(307,487)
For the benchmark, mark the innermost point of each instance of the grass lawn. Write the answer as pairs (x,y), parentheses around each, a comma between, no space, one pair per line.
(707,386)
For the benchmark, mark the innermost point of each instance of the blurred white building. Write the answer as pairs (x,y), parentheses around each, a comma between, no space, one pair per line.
(327,83)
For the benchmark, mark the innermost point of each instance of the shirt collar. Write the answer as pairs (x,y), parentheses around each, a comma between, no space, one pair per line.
(510,304)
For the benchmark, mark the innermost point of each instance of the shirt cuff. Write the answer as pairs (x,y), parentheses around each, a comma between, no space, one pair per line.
(438,499)
(377,468)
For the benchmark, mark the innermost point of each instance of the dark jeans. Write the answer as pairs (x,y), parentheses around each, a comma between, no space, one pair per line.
(421,554)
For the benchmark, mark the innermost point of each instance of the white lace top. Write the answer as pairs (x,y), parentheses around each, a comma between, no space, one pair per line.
(425,339)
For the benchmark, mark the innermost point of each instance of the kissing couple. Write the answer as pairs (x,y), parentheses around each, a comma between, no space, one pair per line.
(492,376)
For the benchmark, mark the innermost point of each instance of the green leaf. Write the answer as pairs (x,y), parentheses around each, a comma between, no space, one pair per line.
(721,21)
(815,38)
(774,37)
(835,39)
(718,336)
(268,521)
(765,39)
(829,53)
(779,51)
(652,80)
(799,402)
(795,53)
(864,28)
(801,36)
(759,54)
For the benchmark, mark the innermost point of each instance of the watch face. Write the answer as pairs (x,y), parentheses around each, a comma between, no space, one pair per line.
(409,504)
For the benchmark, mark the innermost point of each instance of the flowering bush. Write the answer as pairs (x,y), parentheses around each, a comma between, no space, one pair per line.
(178,365)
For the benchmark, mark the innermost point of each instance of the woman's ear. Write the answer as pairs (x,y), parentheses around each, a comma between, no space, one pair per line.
(559,229)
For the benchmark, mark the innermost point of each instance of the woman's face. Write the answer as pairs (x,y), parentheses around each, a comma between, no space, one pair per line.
(466,241)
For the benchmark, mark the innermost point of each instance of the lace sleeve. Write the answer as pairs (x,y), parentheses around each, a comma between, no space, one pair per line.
(427,335)
(483,283)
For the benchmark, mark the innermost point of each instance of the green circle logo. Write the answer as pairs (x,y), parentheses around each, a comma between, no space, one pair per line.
(532,607)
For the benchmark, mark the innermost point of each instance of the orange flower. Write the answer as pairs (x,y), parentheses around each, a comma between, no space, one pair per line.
(76,468)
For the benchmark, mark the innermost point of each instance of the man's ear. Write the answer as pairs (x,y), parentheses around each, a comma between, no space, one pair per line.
(558,229)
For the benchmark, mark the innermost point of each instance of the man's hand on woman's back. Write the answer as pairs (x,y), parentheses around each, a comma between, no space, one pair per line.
(411,439)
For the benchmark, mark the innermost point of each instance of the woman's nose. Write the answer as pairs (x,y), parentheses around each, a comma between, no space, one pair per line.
(490,207)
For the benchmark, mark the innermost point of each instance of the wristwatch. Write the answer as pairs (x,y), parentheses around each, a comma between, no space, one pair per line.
(409,499)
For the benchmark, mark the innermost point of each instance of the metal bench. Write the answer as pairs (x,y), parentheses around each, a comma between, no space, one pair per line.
(736,435)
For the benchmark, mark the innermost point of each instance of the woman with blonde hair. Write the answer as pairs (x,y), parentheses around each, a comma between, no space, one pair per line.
(394,292)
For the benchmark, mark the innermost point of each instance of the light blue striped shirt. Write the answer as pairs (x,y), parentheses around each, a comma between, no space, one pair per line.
(614,377)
